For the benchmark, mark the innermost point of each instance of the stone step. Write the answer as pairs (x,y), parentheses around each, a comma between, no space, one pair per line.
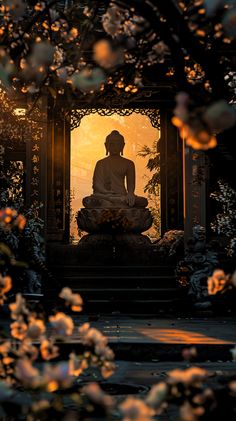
(129,294)
(111,269)
(102,256)
(123,289)
(77,282)
(130,305)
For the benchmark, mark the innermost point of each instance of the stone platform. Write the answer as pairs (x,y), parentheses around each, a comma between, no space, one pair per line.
(109,221)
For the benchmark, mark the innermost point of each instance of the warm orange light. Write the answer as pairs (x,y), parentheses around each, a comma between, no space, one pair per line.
(173,336)
(87,147)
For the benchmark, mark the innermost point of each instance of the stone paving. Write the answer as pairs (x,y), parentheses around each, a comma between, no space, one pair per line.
(173,331)
(146,339)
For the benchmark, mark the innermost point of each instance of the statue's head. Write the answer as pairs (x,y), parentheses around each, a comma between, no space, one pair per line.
(114,143)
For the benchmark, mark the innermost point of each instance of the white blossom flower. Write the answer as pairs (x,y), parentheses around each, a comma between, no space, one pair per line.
(220,116)
(88,80)
(233,279)
(233,352)
(27,374)
(187,413)
(57,376)
(48,349)
(135,410)
(42,54)
(98,396)
(107,369)
(40,406)
(213,5)
(216,282)
(5,286)
(77,364)
(36,328)
(27,349)
(5,391)
(106,56)
(16,7)
(134,25)
(189,376)
(160,49)
(229,22)
(157,395)
(191,125)
(104,352)
(63,325)
(232,386)
(112,20)
(19,329)
(74,300)
(5,348)
(18,308)
(92,336)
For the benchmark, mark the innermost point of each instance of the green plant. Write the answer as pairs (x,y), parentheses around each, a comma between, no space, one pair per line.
(152,187)
(225,220)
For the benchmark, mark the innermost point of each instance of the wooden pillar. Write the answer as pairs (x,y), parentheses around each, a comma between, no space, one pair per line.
(58,178)
(171,175)
(195,190)
(36,157)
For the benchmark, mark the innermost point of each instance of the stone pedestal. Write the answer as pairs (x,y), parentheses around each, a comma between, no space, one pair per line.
(114,221)
(118,232)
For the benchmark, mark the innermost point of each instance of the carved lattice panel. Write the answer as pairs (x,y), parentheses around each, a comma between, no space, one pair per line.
(78,114)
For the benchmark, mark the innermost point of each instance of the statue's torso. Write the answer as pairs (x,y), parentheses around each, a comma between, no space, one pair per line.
(111,171)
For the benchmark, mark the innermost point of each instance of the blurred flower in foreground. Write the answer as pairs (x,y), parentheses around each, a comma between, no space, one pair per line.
(189,376)
(213,5)
(19,329)
(217,282)
(36,328)
(27,349)
(5,286)
(198,125)
(233,279)
(190,126)
(42,54)
(220,116)
(232,387)
(5,392)
(189,353)
(26,373)
(107,56)
(6,68)
(188,412)
(94,392)
(18,308)
(77,364)
(104,355)
(63,325)
(71,299)
(157,395)
(134,409)
(48,349)
(229,22)
(57,376)
(112,20)
(15,7)
(233,352)
(9,219)
(88,80)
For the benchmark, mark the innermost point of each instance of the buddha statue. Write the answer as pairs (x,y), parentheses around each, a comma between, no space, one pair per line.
(114,179)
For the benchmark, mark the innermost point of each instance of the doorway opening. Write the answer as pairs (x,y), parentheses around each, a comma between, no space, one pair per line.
(87,147)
